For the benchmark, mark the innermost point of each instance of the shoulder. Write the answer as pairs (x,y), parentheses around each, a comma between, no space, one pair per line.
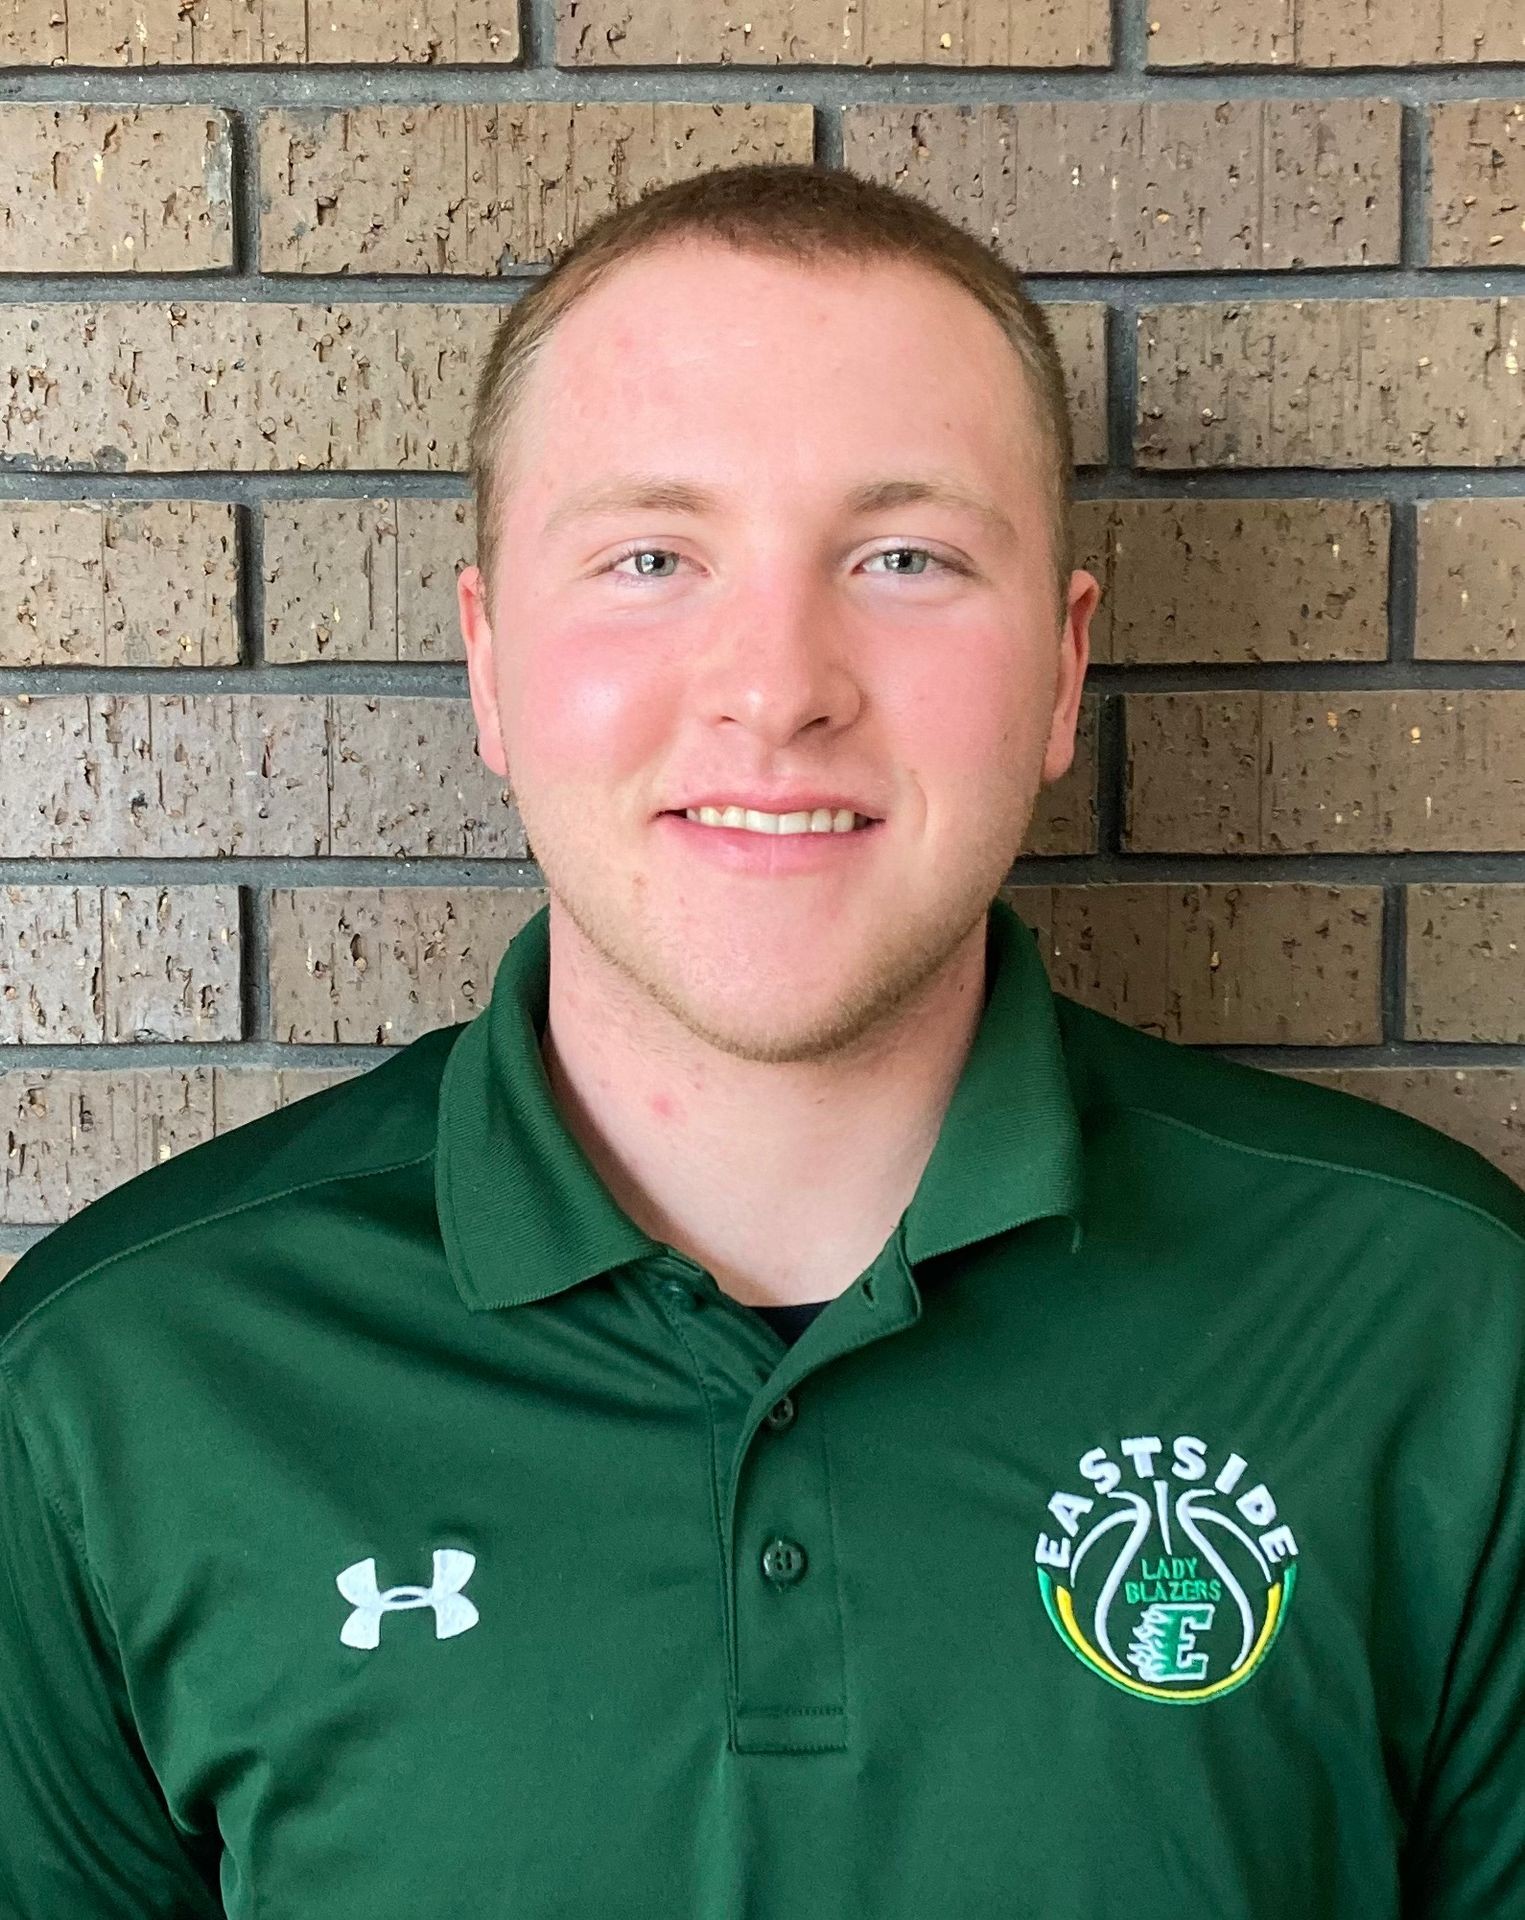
(1287,1132)
(375,1120)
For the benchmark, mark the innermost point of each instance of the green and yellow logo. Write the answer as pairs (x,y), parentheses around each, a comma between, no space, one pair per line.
(1165,1578)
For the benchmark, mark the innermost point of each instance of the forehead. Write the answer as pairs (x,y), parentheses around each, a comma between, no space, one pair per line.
(699,350)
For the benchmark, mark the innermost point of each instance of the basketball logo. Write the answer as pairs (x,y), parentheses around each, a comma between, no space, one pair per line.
(1164,1577)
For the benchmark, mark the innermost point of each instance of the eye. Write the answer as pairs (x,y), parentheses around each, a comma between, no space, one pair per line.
(938,561)
(638,553)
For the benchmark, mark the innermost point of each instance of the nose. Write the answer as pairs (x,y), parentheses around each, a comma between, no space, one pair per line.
(779,664)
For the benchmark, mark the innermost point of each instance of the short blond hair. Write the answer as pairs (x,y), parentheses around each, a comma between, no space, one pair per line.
(794,211)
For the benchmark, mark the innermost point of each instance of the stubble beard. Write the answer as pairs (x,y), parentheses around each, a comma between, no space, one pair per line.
(857,1021)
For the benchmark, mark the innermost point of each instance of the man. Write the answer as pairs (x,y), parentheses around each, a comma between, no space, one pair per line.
(408,1506)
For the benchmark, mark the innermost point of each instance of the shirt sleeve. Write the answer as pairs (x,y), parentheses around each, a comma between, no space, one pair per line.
(84,1830)
(1465,1852)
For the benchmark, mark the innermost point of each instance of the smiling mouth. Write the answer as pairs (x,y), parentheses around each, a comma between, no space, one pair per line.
(805,823)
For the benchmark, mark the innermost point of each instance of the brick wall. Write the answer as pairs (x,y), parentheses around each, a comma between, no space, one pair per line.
(253,256)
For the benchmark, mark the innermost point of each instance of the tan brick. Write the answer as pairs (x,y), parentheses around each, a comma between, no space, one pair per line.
(250,386)
(1326,772)
(1360,33)
(1477,196)
(1236,580)
(1333,33)
(52,944)
(1079,328)
(114,189)
(366,579)
(241,1094)
(1193,772)
(1483,1107)
(1221,32)
(1466,963)
(404,780)
(172,963)
(1083,186)
(381,965)
(1471,591)
(72,1135)
(435,540)
(146,33)
(1064,820)
(1046,33)
(1331,383)
(7,1261)
(88,964)
(149,583)
(96,775)
(188,776)
(478,189)
(1222,964)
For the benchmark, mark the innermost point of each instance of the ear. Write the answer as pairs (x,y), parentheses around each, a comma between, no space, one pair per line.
(1074,657)
(476,633)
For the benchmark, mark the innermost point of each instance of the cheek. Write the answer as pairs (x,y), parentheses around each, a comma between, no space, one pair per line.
(976,712)
(584,712)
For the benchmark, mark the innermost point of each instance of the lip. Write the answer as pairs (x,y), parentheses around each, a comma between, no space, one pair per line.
(735,850)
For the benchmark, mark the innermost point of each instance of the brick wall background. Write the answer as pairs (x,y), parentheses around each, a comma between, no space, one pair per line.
(252,253)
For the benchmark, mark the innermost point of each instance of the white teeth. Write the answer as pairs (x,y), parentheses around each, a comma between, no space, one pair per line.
(823,820)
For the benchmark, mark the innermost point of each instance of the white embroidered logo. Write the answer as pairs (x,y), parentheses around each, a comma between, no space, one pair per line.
(453,1612)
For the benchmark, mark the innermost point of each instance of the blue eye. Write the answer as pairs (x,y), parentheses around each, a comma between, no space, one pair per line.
(634,553)
(937,563)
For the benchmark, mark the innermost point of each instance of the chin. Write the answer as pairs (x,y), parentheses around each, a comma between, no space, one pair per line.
(788,1021)
(789,1039)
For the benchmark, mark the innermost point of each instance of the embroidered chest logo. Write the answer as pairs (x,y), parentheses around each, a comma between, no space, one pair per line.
(453,1612)
(1163,1576)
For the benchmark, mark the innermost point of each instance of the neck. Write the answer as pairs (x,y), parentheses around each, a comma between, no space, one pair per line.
(723,1158)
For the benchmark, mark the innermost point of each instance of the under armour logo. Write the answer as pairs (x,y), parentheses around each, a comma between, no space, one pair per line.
(453,1613)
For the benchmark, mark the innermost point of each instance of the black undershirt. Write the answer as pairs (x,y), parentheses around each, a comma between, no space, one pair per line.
(790,1322)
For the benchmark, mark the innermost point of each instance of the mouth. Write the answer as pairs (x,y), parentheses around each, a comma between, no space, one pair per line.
(764,853)
(805,823)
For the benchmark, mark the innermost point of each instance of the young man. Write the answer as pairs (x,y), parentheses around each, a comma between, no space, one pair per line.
(406,1503)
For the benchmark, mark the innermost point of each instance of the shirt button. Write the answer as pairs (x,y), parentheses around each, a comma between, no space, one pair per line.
(676,1291)
(780,1414)
(783,1562)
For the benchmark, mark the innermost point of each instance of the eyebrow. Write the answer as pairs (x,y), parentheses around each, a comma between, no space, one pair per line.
(662,493)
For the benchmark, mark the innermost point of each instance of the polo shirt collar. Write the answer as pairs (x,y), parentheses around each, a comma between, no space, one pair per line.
(524,1214)
(1009,1151)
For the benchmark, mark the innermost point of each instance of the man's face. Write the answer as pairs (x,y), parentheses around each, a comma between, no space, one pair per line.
(771,642)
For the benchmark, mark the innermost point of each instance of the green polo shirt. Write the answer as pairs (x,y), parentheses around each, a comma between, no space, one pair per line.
(388,1525)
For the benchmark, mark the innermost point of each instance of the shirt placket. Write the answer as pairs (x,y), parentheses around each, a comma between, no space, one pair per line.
(769,1413)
